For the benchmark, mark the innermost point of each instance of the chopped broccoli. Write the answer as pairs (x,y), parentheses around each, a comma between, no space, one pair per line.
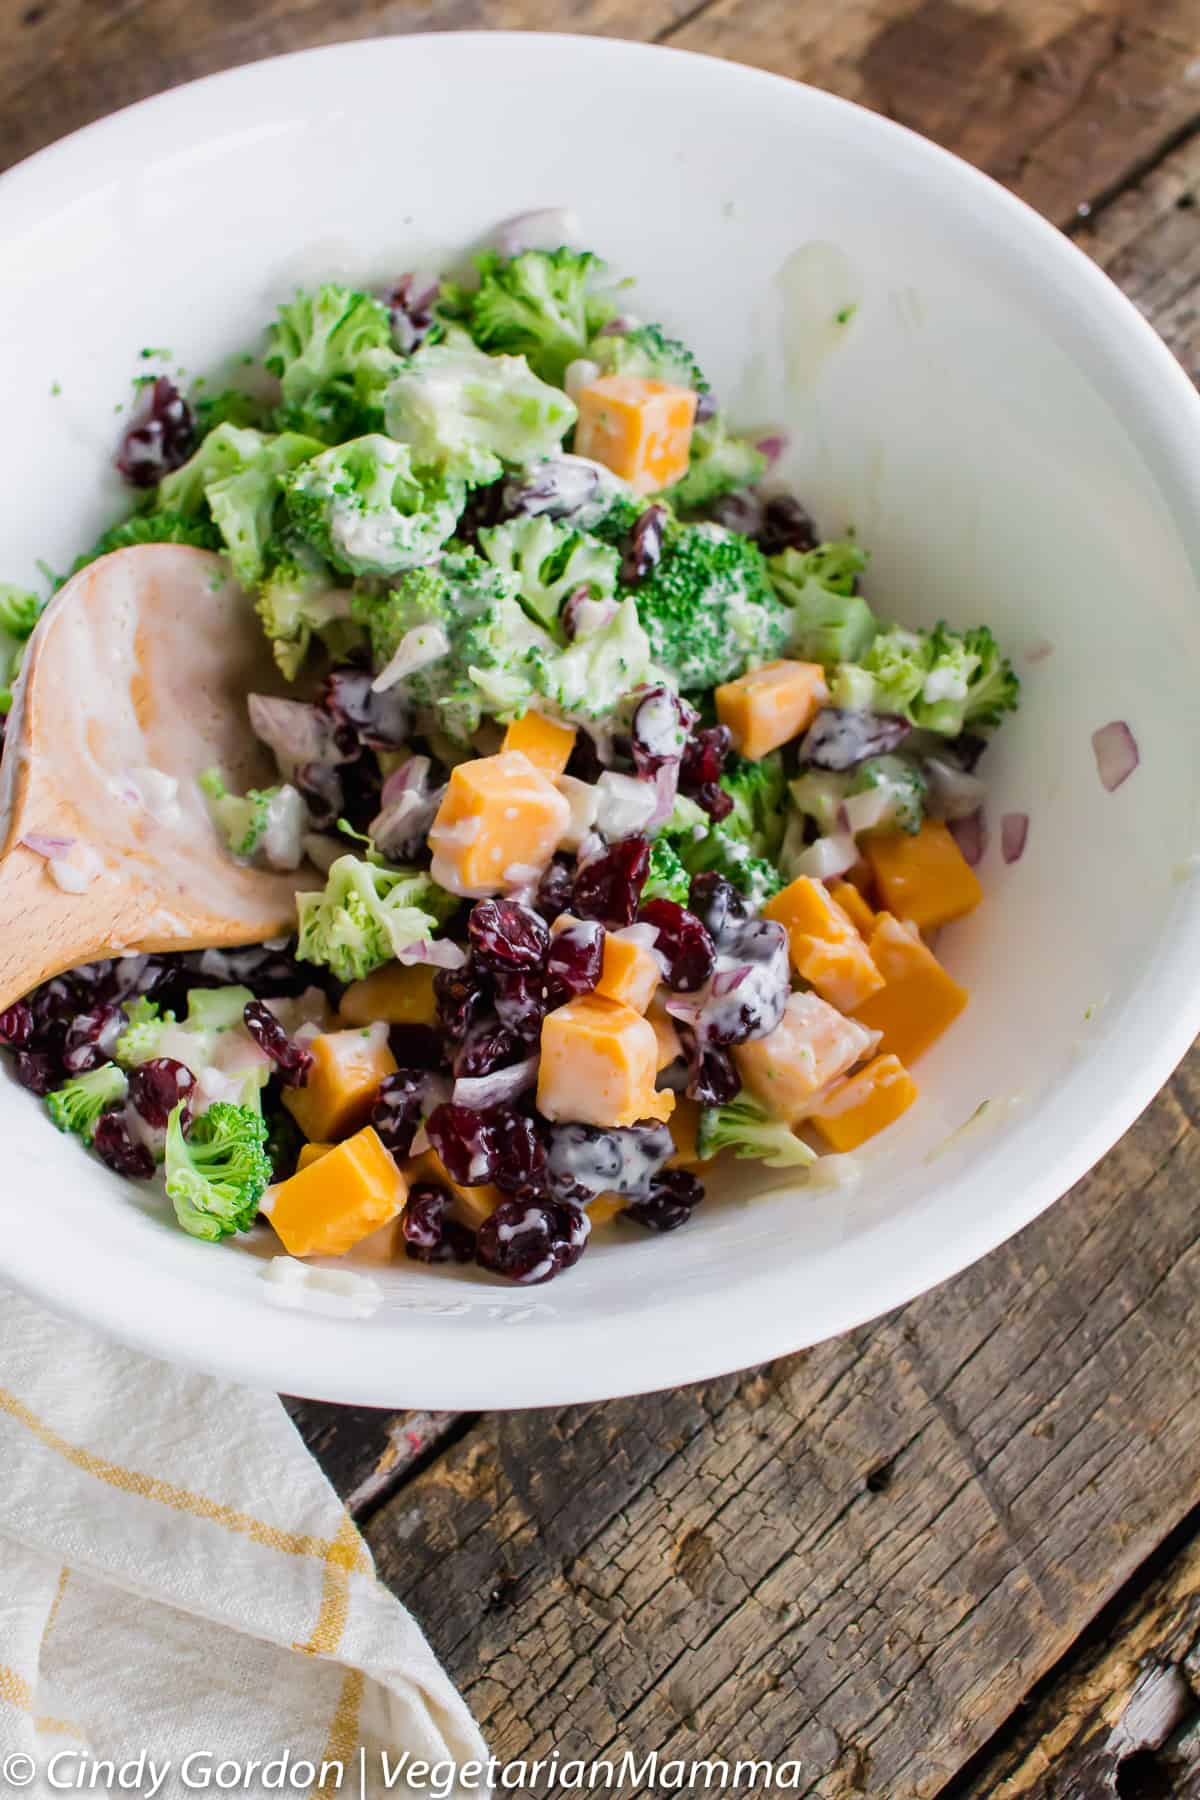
(729,855)
(535,305)
(667,878)
(263,822)
(470,414)
(243,505)
(216,1009)
(225,451)
(549,562)
(321,348)
(79,1102)
(830,622)
(217,1176)
(708,607)
(159,527)
(818,795)
(901,782)
(758,791)
(365,508)
(297,598)
(688,819)
(365,915)
(940,680)
(719,463)
(140,1038)
(593,674)
(746,1128)
(19,611)
(622,512)
(229,406)
(992,687)
(646,350)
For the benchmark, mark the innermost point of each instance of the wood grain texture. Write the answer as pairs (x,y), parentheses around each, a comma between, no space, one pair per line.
(367,1452)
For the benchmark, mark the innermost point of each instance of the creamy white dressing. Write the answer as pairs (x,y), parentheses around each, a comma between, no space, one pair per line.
(335,1293)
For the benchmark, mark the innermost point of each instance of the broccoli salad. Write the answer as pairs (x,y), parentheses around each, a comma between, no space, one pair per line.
(636,815)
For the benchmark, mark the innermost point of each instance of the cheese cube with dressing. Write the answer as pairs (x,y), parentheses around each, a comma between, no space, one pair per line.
(630,971)
(599,1063)
(499,824)
(544,741)
(343,1081)
(639,428)
(342,1198)
(810,1047)
(771,705)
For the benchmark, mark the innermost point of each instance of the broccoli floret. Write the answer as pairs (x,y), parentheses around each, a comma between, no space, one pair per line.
(746,1128)
(901,783)
(217,1176)
(159,527)
(79,1102)
(729,855)
(324,347)
(364,507)
(263,822)
(667,879)
(470,414)
(590,678)
(719,463)
(297,598)
(992,688)
(216,1009)
(646,350)
(621,514)
(19,611)
(708,607)
(365,915)
(244,505)
(224,452)
(758,790)
(535,305)
(818,795)
(830,622)
(940,680)
(549,562)
(141,1037)
(230,406)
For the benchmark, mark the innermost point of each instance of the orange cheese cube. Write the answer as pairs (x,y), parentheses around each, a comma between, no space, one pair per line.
(469,1205)
(810,1047)
(311,1153)
(394,993)
(605,1207)
(544,741)
(329,1207)
(670,1045)
(598,1065)
(922,875)
(858,1106)
(769,706)
(854,905)
(347,1069)
(684,1125)
(499,824)
(918,1001)
(638,428)
(630,971)
(826,949)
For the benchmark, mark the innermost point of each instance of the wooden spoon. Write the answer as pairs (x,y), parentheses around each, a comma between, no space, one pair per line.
(138,670)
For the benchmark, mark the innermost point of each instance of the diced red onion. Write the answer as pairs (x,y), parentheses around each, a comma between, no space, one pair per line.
(952,792)
(1117,754)
(666,787)
(828,857)
(543,228)
(296,732)
(440,953)
(970,834)
(686,1007)
(773,446)
(496,1089)
(407,808)
(618,326)
(1014,829)
(49,847)
(726,980)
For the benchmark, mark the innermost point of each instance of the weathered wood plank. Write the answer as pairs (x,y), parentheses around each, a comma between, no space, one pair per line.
(860,1557)
(367,1452)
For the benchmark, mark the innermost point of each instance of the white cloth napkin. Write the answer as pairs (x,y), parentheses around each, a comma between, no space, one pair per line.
(179,1581)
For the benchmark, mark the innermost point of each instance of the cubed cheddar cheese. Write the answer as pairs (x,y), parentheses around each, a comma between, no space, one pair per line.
(639,428)
(605,1207)
(327,1208)
(922,875)
(860,1105)
(771,705)
(684,1125)
(918,1000)
(810,1047)
(599,1064)
(469,1205)
(343,1081)
(855,906)
(630,971)
(395,994)
(827,950)
(311,1153)
(499,824)
(544,741)
(670,1044)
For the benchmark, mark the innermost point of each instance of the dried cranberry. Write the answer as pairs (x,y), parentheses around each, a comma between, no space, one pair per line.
(712,1078)
(522,1001)
(532,1240)
(557,488)
(463,1139)
(839,739)
(270,974)
(683,942)
(585,1161)
(673,1197)
(320,785)
(292,1061)
(518,1153)
(643,546)
(415,1046)
(704,757)
(90,1037)
(582,612)
(429,1235)
(486,506)
(488,1045)
(506,935)
(398,1106)
(749,989)
(381,721)
(156,1088)
(115,1146)
(159,438)
(607,888)
(706,406)
(584,761)
(659,730)
(554,890)
(462,998)
(786,526)
(742,511)
(16,1024)
(575,960)
(721,909)
(38,1070)
(410,304)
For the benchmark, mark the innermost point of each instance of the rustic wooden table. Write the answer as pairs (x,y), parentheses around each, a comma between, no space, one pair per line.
(958,1552)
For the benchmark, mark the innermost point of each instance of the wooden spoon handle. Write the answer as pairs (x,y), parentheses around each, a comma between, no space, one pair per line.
(44,930)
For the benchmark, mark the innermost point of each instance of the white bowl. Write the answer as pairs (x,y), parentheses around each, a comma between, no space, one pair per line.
(1005,433)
